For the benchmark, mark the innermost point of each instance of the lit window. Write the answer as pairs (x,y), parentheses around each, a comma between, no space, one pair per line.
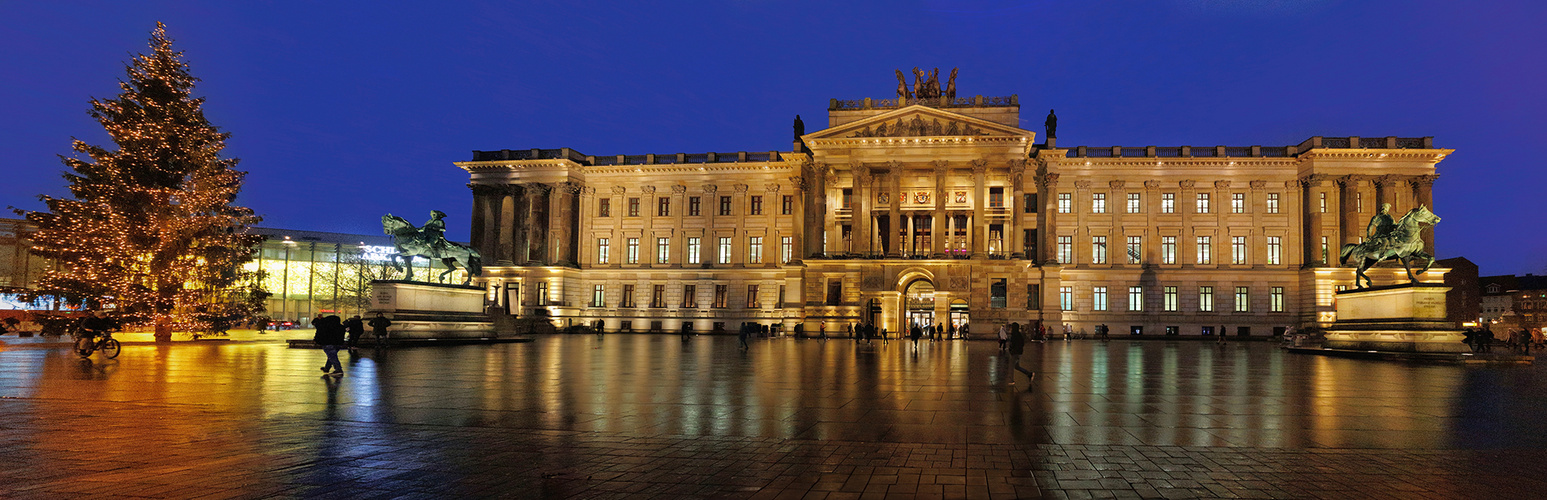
(1238,250)
(604,207)
(633,207)
(1065,203)
(1066,298)
(1066,250)
(598,298)
(1241,299)
(602,250)
(1324,250)
(1274,250)
(787,206)
(658,296)
(1206,299)
(542,293)
(1098,203)
(628,296)
(663,207)
(1168,298)
(689,296)
(693,250)
(1272,203)
(1203,203)
(1098,250)
(1135,298)
(1135,249)
(662,250)
(725,205)
(1100,295)
(1205,249)
(755,205)
(846,199)
(1277,295)
(752,299)
(786,249)
(1238,203)
(1359,202)
(694,206)
(1134,206)
(1167,249)
(755,249)
(720,296)
(1168,203)
(725,250)
(996,197)
(631,251)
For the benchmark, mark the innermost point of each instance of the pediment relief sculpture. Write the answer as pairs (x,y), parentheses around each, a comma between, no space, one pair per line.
(917,127)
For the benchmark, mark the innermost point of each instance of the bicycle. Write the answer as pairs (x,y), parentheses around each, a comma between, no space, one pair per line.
(105,342)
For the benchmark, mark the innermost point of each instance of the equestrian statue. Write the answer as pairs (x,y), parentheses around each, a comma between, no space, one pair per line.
(1385,239)
(430,242)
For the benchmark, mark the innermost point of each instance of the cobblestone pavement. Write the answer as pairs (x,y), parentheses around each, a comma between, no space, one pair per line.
(652,416)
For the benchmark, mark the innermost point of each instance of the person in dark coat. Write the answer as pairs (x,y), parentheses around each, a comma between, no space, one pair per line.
(379,326)
(1017,347)
(356,328)
(331,336)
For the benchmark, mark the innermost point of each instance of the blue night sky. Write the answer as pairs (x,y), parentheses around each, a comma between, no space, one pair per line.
(343,111)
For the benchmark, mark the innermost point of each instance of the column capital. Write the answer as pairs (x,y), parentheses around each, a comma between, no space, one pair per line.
(1221,184)
(1017,165)
(710,188)
(1082,184)
(619,190)
(588,191)
(1258,185)
(1117,184)
(1050,180)
(1352,180)
(1390,180)
(1425,181)
(571,187)
(678,189)
(740,188)
(798,182)
(1152,184)
(485,189)
(772,187)
(647,189)
(979,166)
(1187,184)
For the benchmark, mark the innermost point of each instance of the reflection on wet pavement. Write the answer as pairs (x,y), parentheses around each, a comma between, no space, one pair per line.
(635,416)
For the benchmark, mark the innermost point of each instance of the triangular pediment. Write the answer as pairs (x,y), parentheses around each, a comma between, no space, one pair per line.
(918,121)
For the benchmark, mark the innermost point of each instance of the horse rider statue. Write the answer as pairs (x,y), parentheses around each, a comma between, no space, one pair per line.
(430,242)
(1387,239)
(1381,224)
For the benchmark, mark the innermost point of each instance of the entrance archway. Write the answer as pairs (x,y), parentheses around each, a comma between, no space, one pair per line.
(958,314)
(918,304)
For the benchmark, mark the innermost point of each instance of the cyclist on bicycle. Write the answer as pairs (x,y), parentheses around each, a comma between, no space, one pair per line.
(97,324)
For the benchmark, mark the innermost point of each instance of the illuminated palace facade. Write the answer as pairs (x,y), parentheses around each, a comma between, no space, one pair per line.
(939,210)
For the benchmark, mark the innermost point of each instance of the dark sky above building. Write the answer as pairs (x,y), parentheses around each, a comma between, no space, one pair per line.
(343,111)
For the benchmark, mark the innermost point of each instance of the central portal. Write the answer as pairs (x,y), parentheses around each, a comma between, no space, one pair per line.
(920,303)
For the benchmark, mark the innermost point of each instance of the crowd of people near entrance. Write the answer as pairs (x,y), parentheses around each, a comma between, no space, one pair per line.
(1521,340)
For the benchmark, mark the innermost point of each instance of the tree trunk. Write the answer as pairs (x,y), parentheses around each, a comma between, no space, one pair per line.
(163,328)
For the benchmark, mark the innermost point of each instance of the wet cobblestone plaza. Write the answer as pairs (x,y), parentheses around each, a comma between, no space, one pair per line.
(655,416)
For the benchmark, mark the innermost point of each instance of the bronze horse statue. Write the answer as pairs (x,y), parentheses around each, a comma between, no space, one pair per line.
(429,243)
(1403,243)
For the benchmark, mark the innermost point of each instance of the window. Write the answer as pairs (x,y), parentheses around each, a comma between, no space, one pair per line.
(725,250)
(755,206)
(658,296)
(1029,201)
(693,250)
(694,207)
(752,300)
(786,249)
(631,251)
(996,197)
(633,207)
(1066,249)
(725,205)
(720,296)
(1100,296)
(1033,297)
(834,292)
(542,293)
(1206,299)
(1098,250)
(1237,250)
(1066,298)
(1323,202)
(998,293)
(604,207)
(602,250)
(1274,250)
(1135,249)
(1135,298)
(1203,203)
(1324,249)
(1238,203)
(1098,203)
(663,207)
(598,297)
(1167,249)
(755,249)
(1205,249)
(628,296)
(1168,203)
(1065,203)
(1272,203)
(1134,206)
(1276,296)
(689,295)
(1241,299)
(1168,298)
(787,205)
(662,250)
(1358,202)
(846,202)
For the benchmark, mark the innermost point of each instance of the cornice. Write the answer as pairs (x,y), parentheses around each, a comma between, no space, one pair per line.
(1429,155)
(683,168)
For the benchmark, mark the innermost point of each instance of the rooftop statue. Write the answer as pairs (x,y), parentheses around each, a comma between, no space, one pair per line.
(430,242)
(1387,240)
(1051,124)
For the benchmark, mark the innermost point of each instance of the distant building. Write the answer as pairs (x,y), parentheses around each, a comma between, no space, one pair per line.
(1512,302)
(1463,303)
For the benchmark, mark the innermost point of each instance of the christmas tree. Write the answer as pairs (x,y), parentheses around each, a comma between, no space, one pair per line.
(150,230)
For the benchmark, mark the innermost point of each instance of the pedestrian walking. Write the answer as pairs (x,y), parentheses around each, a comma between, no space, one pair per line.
(1017,347)
(1004,336)
(1221,334)
(915,333)
(742,336)
(379,326)
(356,329)
(330,335)
(822,327)
(951,331)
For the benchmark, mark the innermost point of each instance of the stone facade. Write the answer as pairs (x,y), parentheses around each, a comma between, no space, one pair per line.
(940,210)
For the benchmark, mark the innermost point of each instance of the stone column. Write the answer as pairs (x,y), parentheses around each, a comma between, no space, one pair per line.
(816,207)
(1186,205)
(536,227)
(980,191)
(1423,187)
(894,189)
(801,224)
(679,241)
(709,244)
(505,233)
(1016,240)
(584,246)
(1049,219)
(1315,220)
(568,226)
(861,208)
(772,251)
(1349,228)
(1385,192)
(647,226)
(938,231)
(1293,205)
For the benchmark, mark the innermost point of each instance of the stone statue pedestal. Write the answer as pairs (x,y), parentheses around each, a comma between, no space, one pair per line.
(421,310)
(1398,318)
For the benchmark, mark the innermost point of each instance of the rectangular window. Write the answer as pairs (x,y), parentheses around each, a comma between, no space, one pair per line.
(1098,250)
(786,249)
(1134,204)
(1066,250)
(787,205)
(1323,202)
(1029,201)
(658,296)
(689,296)
(1135,298)
(1359,202)
(1167,249)
(603,250)
(1238,250)
(1274,250)
(999,293)
(1324,250)
(628,296)
(1135,249)
(1276,294)
(1206,299)
(631,251)
(1066,298)
(1168,299)
(1065,203)
(1205,249)
(693,250)
(694,206)
(996,197)
(662,250)
(1238,203)
(1241,299)
(1272,203)
(604,207)
(1098,203)
(755,206)
(542,293)
(633,207)
(834,292)
(725,250)
(1168,203)
(721,296)
(1033,297)
(663,207)
(846,202)
(752,300)
(1100,295)
(598,296)
(725,205)
(755,249)
(1203,203)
